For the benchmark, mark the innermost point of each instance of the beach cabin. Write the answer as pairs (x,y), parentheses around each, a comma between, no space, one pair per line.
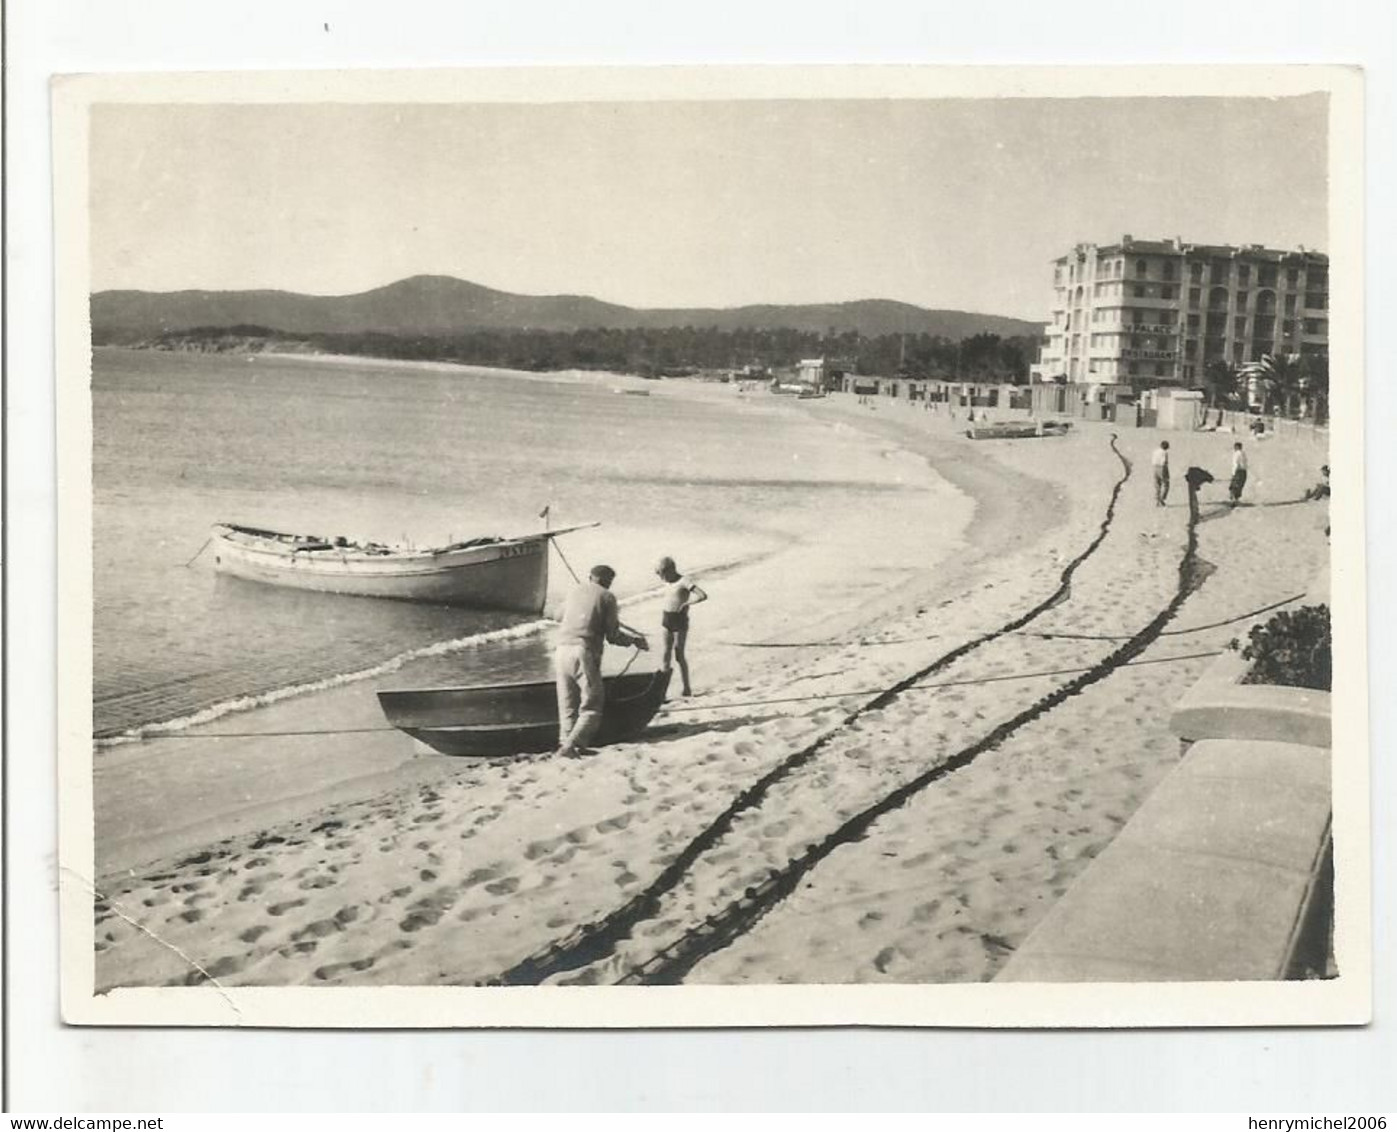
(814,372)
(1180,409)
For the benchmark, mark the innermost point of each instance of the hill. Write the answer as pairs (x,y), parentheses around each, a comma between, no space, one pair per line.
(441,305)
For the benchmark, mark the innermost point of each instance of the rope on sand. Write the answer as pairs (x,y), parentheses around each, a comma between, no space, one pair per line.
(1167,632)
(199,551)
(865,643)
(667,709)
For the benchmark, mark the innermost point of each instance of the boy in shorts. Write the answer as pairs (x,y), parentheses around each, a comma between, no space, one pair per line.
(680,593)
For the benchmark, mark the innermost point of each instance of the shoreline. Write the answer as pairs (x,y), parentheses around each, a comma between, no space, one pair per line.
(376,891)
(142,781)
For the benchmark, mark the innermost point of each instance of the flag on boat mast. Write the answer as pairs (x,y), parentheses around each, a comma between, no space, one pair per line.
(547,509)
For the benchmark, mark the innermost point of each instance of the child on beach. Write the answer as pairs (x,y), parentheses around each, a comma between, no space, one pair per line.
(680,593)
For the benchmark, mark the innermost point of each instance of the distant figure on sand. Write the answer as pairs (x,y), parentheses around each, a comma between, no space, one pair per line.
(1321,489)
(1195,478)
(1160,462)
(1239,473)
(680,593)
(590,618)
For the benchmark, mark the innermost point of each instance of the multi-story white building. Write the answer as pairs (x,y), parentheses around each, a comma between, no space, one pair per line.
(1151,312)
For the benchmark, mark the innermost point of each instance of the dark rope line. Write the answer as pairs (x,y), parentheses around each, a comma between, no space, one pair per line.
(1168,632)
(675,961)
(668,710)
(593,941)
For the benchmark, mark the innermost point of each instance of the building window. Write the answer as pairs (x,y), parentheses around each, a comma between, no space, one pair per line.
(1239,351)
(1288,327)
(1241,300)
(1159,369)
(1290,304)
(1141,269)
(1292,276)
(1266,275)
(1316,326)
(1192,323)
(1195,273)
(1141,291)
(1166,292)
(1188,373)
(1244,273)
(1195,294)
(1219,270)
(1168,269)
(1239,325)
(1134,368)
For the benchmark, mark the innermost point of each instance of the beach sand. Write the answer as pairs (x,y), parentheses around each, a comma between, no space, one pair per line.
(814,815)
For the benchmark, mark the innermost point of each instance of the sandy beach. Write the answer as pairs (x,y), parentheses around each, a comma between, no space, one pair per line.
(910,739)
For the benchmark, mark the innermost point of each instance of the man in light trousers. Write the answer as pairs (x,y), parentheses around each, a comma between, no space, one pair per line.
(590,618)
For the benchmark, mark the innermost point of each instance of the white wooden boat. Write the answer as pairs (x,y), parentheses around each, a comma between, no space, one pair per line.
(489,573)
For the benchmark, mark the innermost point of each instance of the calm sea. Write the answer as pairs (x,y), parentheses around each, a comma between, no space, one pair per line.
(417,455)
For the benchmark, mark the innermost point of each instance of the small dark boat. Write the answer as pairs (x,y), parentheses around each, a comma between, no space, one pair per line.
(491,720)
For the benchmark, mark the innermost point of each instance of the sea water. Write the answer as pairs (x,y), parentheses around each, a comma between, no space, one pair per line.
(420,455)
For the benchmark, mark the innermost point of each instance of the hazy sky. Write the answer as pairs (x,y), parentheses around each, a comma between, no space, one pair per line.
(943,203)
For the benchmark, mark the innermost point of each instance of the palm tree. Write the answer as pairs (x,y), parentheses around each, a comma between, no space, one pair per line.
(1282,379)
(1317,385)
(1221,379)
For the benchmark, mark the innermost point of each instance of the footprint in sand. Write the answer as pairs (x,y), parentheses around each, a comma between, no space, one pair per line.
(503,887)
(885,959)
(333,970)
(321,881)
(253,934)
(618,822)
(537,849)
(317,930)
(480,876)
(285,906)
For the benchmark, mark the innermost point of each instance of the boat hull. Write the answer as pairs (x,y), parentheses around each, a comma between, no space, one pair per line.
(494,720)
(509,574)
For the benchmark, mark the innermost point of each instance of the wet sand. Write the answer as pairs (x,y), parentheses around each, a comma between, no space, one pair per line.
(873,784)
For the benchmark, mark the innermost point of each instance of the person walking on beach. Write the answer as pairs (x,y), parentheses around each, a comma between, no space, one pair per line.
(1160,462)
(1239,473)
(680,593)
(590,618)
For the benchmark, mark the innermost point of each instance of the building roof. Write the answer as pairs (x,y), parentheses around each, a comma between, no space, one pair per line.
(1177,246)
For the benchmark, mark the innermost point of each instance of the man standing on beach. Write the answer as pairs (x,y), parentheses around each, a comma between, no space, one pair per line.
(590,618)
(1160,462)
(1239,473)
(680,593)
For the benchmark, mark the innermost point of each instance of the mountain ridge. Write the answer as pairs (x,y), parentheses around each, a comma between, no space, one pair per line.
(434,305)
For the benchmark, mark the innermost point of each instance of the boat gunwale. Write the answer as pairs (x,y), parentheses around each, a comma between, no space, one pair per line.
(617,677)
(224,532)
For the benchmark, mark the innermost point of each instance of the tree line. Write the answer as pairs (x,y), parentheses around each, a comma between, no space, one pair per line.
(649,352)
